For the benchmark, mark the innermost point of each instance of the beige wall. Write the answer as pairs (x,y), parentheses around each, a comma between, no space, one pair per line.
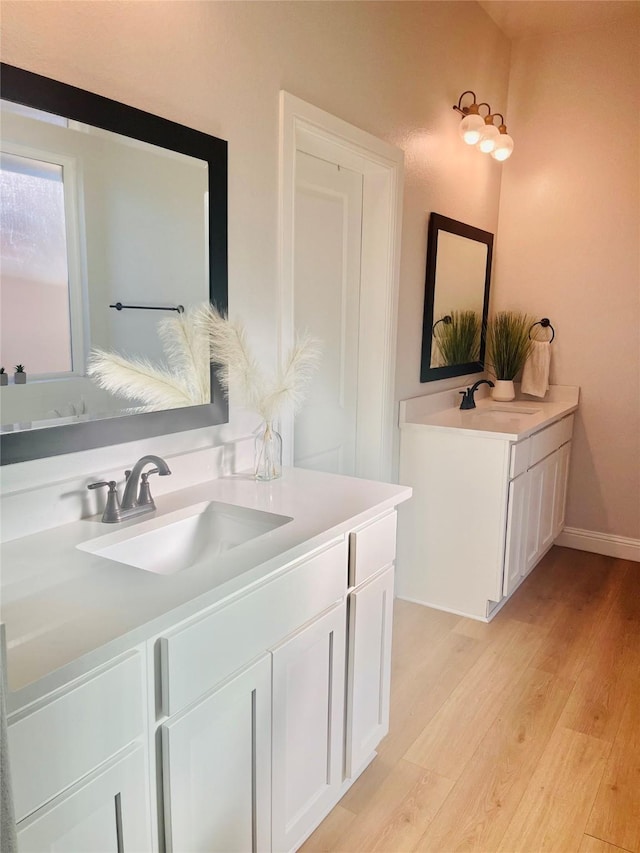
(568,248)
(391,68)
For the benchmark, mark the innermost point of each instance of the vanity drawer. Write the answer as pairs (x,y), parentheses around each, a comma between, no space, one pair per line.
(547,440)
(68,735)
(371,548)
(519,458)
(200,654)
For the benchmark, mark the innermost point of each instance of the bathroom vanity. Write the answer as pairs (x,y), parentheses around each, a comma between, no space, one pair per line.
(223,705)
(489,488)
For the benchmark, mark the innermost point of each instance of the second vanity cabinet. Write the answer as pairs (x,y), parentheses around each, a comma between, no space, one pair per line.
(485,510)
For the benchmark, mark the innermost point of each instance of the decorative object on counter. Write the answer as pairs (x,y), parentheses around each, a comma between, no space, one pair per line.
(4,377)
(182,381)
(267,396)
(508,347)
(458,338)
(20,377)
(535,376)
(268,452)
(481,131)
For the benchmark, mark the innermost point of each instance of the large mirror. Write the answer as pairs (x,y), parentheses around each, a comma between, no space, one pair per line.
(112,219)
(456,299)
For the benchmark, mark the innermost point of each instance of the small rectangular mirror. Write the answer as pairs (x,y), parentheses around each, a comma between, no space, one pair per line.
(456,302)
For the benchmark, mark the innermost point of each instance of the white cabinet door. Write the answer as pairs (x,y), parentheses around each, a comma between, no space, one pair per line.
(535,476)
(561,491)
(308,727)
(550,486)
(547,497)
(515,565)
(107,813)
(368,668)
(217,768)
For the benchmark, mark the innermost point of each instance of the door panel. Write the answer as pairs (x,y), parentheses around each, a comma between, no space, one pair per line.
(217,768)
(516,544)
(308,715)
(327,254)
(369,668)
(108,813)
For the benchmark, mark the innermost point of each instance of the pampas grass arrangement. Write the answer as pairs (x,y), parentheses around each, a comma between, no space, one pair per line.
(266,395)
(191,342)
(182,381)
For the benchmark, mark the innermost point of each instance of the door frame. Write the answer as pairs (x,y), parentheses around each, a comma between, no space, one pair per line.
(306,128)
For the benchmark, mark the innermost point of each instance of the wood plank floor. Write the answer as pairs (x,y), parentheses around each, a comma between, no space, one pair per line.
(519,736)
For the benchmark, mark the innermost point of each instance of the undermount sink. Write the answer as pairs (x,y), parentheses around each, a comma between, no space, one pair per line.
(177,540)
(512,410)
(501,414)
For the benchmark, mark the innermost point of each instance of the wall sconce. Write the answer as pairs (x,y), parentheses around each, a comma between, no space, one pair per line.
(481,131)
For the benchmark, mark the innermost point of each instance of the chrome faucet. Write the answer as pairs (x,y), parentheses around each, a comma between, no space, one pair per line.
(468,400)
(134,502)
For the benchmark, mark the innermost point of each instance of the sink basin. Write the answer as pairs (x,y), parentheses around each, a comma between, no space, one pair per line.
(512,410)
(502,414)
(173,542)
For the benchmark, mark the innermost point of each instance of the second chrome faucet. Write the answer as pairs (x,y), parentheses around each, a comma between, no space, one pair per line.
(136,498)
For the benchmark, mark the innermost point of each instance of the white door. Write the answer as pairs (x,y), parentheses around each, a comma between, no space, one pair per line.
(217,768)
(369,668)
(308,727)
(327,256)
(106,813)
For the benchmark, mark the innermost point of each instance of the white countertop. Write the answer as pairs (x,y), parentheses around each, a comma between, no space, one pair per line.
(512,421)
(66,610)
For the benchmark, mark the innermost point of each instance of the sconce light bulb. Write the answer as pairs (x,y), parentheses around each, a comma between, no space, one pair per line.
(471,127)
(488,138)
(504,147)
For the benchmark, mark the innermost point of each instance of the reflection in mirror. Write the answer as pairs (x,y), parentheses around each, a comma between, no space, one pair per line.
(103,206)
(456,299)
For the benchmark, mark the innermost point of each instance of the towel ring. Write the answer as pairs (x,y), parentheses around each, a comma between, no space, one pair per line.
(446,320)
(545,323)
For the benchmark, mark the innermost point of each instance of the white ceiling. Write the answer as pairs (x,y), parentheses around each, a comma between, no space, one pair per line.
(518,18)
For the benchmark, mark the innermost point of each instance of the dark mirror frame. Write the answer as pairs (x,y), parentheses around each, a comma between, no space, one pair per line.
(42,93)
(438,223)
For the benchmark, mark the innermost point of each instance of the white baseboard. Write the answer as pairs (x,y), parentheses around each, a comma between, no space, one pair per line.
(600,543)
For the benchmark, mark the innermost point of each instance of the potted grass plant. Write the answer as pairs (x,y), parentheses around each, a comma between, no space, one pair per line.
(508,347)
(4,378)
(458,341)
(20,375)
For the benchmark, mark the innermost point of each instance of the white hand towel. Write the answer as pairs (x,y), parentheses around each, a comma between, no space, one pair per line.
(535,376)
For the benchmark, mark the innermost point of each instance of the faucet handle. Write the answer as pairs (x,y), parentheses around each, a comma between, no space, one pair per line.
(112,510)
(110,483)
(144,495)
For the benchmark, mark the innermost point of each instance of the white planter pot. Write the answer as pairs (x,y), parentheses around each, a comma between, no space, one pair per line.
(503,390)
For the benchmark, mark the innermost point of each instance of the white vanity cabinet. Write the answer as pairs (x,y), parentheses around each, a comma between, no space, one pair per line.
(485,510)
(240,715)
(79,764)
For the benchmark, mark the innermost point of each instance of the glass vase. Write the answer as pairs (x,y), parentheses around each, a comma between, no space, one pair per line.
(268,453)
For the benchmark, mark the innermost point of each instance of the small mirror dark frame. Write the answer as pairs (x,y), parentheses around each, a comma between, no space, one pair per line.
(438,223)
(42,93)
